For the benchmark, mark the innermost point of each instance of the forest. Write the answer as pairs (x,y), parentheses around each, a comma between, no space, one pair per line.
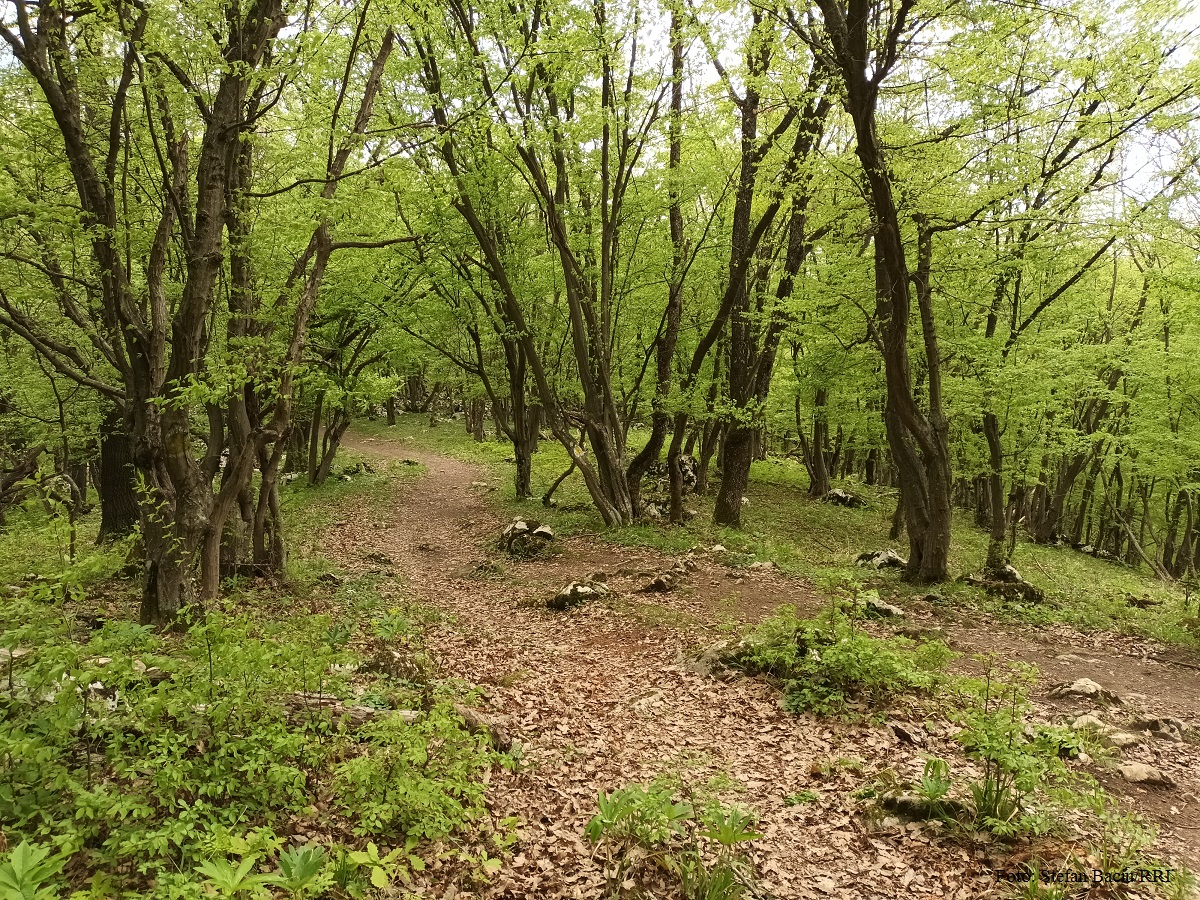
(627,448)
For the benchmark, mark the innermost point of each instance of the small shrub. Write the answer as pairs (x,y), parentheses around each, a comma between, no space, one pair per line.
(696,842)
(828,666)
(1017,759)
(420,779)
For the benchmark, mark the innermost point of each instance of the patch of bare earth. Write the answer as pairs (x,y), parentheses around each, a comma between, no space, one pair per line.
(603,696)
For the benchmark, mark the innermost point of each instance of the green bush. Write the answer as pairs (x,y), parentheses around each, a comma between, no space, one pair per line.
(139,757)
(829,666)
(694,840)
(1019,759)
(420,779)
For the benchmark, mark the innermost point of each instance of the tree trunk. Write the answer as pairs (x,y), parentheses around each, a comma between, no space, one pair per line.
(115,486)
(314,438)
(997,553)
(919,442)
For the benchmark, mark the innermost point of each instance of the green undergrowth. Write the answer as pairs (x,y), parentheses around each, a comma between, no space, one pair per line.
(295,740)
(671,828)
(828,665)
(819,541)
(1011,779)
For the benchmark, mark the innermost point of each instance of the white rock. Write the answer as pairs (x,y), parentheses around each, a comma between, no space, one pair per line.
(1122,739)
(1140,773)
(882,608)
(1086,689)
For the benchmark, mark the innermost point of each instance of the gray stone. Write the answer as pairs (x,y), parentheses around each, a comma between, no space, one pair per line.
(1085,689)
(840,497)
(577,593)
(1093,723)
(1165,729)
(1122,739)
(881,609)
(881,559)
(1140,773)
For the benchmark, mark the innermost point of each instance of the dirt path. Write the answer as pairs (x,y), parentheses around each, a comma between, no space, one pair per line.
(602,696)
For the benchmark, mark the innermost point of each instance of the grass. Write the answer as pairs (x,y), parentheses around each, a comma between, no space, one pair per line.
(819,541)
(179,761)
(309,510)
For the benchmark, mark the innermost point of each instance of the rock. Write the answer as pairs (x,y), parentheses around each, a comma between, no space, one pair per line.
(524,539)
(660,584)
(717,548)
(922,633)
(764,565)
(1143,602)
(917,808)
(1085,689)
(1006,582)
(1093,723)
(881,559)
(906,735)
(1084,759)
(875,608)
(577,593)
(1140,773)
(1165,729)
(839,497)
(670,579)
(1121,739)
(708,663)
(1006,574)
(7,655)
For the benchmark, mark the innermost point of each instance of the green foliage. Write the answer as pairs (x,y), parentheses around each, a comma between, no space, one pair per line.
(831,667)
(28,872)
(694,840)
(1019,759)
(163,755)
(420,779)
(229,880)
(299,868)
(801,797)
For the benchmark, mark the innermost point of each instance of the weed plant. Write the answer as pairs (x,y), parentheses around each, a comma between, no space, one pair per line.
(666,827)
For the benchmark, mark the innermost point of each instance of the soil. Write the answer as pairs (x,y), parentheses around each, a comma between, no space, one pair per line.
(609,694)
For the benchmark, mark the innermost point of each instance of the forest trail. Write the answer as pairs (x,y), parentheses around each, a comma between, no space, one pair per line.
(604,696)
